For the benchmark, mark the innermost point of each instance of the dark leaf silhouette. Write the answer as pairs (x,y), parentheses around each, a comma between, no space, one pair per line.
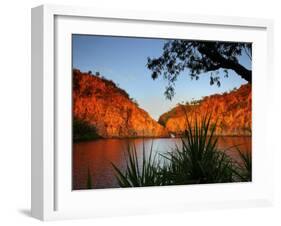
(199,57)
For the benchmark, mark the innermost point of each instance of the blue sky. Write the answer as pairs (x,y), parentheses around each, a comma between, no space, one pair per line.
(124,60)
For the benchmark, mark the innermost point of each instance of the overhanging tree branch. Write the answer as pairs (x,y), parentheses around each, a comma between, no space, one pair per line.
(227,63)
(199,57)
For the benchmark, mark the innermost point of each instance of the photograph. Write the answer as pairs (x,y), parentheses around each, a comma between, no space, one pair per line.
(152,111)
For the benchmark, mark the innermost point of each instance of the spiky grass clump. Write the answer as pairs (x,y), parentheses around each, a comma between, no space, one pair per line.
(243,170)
(89,180)
(136,175)
(197,161)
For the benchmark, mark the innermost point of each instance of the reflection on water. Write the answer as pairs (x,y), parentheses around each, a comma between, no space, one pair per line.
(97,156)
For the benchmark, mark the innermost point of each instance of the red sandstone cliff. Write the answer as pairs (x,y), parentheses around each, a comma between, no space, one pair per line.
(232,110)
(110,110)
(100,103)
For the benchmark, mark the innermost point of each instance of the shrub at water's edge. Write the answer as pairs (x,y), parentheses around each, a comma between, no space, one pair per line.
(83,131)
(198,161)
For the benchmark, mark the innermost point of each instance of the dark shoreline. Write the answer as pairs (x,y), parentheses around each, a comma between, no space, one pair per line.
(150,137)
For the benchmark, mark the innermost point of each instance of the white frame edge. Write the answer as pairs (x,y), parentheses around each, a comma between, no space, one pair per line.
(42,85)
(42,112)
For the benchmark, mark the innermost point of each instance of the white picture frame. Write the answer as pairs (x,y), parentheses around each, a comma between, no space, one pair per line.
(52,197)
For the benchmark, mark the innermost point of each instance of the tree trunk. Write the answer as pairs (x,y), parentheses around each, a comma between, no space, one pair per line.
(240,70)
(226,63)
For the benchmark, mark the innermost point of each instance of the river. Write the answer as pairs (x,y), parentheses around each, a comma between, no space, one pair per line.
(96,156)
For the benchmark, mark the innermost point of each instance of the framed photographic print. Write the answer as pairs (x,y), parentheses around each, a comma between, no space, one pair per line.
(135,112)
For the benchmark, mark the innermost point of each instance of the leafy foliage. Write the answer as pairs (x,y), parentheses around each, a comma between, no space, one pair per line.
(199,57)
(83,131)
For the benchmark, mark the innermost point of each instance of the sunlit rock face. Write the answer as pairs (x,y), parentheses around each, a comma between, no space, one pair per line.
(232,113)
(101,103)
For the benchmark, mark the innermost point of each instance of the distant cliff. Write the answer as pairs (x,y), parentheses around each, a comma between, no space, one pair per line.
(104,106)
(102,109)
(232,110)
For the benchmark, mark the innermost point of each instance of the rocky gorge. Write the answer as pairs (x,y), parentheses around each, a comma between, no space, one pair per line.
(108,108)
(101,104)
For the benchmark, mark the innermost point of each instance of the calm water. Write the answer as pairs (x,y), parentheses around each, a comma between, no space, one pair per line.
(97,156)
